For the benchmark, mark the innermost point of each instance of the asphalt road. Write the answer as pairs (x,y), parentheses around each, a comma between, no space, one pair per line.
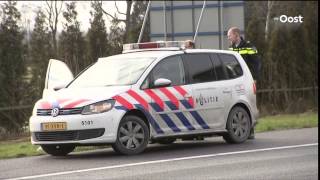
(289,154)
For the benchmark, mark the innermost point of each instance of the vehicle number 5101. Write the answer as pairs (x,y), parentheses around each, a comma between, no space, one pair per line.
(87,123)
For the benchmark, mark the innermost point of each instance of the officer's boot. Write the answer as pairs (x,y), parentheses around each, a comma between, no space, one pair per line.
(251,136)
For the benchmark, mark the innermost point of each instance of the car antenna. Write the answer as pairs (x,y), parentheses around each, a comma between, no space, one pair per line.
(144,22)
(199,21)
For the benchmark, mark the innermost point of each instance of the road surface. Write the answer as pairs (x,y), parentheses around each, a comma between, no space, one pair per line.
(288,154)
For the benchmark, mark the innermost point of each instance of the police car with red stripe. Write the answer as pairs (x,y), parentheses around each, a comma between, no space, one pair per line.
(154,92)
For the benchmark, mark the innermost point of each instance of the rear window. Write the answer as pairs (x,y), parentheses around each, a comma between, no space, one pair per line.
(232,65)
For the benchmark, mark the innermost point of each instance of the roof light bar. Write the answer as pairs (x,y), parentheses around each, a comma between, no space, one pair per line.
(154,45)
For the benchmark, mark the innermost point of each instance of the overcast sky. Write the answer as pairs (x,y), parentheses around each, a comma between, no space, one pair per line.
(28,9)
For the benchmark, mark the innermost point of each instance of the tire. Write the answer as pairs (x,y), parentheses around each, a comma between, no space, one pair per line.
(238,126)
(132,137)
(58,150)
(166,141)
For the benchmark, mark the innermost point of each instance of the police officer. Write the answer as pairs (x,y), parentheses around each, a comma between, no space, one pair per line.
(248,52)
(189,44)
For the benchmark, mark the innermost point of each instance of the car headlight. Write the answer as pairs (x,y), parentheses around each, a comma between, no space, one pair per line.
(98,107)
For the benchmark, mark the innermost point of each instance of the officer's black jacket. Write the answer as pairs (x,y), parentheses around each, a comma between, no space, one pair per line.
(250,55)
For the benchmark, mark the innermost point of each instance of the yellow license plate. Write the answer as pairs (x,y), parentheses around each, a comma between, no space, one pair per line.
(54,126)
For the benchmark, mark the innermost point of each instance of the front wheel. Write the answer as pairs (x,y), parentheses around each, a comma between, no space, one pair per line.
(238,126)
(58,150)
(132,136)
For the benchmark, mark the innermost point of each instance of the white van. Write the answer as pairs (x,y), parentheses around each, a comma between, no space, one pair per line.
(152,92)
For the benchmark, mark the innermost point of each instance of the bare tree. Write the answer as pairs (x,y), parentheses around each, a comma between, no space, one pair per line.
(270,5)
(127,21)
(53,10)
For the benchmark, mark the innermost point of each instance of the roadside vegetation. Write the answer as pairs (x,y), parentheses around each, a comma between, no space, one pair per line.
(279,122)
(18,148)
(22,147)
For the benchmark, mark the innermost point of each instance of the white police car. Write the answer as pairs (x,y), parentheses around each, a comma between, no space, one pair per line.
(152,92)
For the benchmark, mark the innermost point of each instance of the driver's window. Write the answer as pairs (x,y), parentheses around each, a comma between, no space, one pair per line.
(169,68)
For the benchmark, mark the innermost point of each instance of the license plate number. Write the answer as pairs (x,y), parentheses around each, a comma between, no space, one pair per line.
(54,126)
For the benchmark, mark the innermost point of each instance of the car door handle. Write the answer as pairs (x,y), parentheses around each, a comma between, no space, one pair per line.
(187,96)
(226,91)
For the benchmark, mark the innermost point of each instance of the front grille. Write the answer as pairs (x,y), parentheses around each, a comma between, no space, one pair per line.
(47,112)
(68,135)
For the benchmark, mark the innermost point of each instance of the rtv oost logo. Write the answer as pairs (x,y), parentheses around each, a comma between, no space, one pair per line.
(290,19)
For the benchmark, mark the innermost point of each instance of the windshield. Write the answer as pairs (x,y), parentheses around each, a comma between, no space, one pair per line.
(113,71)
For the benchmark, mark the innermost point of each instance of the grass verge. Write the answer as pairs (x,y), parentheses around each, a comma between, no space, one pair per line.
(22,147)
(279,122)
(18,148)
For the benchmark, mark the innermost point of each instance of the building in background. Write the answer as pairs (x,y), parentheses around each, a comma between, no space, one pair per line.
(182,17)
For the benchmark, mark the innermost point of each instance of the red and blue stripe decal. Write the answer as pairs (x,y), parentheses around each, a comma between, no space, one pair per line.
(57,103)
(137,97)
(190,105)
(184,93)
(180,116)
(185,121)
(74,104)
(158,106)
(152,121)
(171,97)
(123,102)
(44,105)
(195,115)
(158,102)
(170,123)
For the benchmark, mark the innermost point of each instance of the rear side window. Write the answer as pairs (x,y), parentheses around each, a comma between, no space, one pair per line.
(232,65)
(200,68)
(218,67)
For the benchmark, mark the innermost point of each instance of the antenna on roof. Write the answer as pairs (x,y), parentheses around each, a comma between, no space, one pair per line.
(144,21)
(164,21)
(199,21)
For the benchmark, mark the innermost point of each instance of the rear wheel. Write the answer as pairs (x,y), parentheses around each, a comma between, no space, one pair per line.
(132,136)
(58,150)
(238,126)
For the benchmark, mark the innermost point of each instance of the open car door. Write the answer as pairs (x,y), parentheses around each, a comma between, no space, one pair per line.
(58,76)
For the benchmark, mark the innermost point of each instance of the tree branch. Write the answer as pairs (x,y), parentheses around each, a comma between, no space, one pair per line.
(115,3)
(61,6)
(55,15)
(47,3)
(57,12)
(49,11)
(106,13)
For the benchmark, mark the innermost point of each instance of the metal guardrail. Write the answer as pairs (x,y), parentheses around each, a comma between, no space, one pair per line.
(15,107)
(286,89)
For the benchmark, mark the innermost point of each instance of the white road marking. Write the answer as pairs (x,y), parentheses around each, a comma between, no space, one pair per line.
(163,161)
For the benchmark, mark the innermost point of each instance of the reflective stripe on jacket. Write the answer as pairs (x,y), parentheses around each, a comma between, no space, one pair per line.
(246,50)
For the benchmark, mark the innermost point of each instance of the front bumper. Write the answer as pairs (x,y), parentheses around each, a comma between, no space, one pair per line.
(101,129)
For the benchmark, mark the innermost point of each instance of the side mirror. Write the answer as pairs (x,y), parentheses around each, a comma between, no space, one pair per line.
(161,82)
(59,86)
